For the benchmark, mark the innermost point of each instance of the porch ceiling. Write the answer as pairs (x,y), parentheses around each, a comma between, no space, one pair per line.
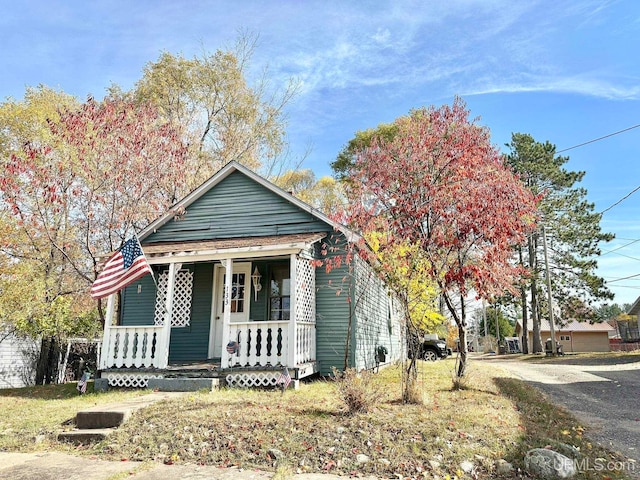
(231,247)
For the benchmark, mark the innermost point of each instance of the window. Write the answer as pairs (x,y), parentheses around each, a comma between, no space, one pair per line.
(280,294)
(565,338)
(237,292)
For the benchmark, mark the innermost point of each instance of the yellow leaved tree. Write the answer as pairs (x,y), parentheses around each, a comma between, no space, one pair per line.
(405,269)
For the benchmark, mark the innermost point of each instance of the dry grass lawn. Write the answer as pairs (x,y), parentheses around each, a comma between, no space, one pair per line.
(494,417)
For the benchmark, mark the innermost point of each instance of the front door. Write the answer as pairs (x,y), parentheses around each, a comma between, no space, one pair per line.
(238,302)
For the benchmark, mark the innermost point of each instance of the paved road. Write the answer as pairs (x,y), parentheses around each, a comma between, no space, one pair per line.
(604,394)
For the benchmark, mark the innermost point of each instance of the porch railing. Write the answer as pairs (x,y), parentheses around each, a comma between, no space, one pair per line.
(305,342)
(134,346)
(261,344)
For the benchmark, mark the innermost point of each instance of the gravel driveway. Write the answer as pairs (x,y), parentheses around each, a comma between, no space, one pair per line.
(603,393)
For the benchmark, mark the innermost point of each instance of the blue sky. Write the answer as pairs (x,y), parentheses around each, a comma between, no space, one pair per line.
(567,72)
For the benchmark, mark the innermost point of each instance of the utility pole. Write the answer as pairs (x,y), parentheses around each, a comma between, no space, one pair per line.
(551,322)
(484,317)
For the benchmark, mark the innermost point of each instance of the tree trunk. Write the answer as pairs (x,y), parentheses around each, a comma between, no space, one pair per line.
(347,342)
(461,322)
(462,350)
(47,366)
(525,321)
(535,318)
(525,312)
(536,339)
(410,393)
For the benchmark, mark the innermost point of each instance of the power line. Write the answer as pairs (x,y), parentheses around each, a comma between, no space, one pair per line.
(630,287)
(624,278)
(627,256)
(599,138)
(621,200)
(620,248)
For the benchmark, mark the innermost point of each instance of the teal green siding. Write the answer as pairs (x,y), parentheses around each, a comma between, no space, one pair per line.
(238,207)
(192,342)
(258,309)
(377,325)
(333,310)
(138,302)
(187,343)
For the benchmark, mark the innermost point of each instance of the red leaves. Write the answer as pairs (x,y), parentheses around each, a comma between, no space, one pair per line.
(440,183)
(94,171)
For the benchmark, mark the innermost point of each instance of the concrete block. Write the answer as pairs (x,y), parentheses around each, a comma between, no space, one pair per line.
(101,418)
(183,384)
(101,385)
(84,437)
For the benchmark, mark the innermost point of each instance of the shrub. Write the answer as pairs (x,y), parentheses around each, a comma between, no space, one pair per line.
(358,390)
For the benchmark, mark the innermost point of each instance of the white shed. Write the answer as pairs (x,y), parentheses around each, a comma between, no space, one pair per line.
(18,359)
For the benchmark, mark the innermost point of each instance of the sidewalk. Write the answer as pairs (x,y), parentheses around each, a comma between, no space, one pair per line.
(58,466)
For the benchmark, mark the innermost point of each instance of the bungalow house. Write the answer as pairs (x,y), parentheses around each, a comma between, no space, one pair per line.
(241,290)
(574,336)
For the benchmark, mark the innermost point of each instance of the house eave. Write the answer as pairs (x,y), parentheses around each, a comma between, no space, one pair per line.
(188,252)
(635,308)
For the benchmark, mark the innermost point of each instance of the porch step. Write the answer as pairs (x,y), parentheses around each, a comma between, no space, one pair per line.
(183,384)
(98,419)
(85,436)
(95,424)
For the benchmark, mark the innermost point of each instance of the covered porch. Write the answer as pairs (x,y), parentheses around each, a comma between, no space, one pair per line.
(242,309)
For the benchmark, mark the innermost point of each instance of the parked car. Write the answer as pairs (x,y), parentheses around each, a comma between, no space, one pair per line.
(433,348)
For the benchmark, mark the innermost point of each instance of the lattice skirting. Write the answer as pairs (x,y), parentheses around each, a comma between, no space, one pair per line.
(129,380)
(252,379)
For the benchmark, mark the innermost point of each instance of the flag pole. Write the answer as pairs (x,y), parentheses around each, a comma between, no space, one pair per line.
(135,234)
(153,277)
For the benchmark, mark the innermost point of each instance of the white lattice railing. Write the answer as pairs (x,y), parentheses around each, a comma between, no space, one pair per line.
(305,291)
(267,343)
(140,346)
(305,342)
(182,292)
(257,344)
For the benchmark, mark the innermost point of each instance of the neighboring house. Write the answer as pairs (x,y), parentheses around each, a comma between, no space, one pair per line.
(18,359)
(573,335)
(635,308)
(237,263)
(627,336)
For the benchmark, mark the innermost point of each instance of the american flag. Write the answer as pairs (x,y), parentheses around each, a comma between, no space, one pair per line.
(82,383)
(125,266)
(284,379)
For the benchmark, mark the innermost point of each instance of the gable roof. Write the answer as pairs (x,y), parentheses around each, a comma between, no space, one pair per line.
(635,308)
(223,173)
(574,326)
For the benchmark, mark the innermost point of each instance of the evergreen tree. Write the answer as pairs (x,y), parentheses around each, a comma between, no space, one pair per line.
(495,316)
(573,233)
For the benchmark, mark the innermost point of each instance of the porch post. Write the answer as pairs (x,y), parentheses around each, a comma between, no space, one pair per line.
(226,316)
(163,361)
(108,320)
(293,340)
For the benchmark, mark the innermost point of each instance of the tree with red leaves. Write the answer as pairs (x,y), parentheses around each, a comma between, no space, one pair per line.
(81,182)
(438,182)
